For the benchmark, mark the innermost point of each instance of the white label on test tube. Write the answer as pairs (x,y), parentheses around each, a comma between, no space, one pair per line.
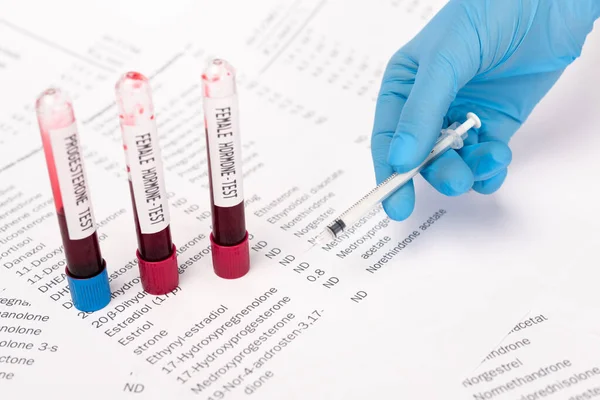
(144,159)
(72,179)
(222,121)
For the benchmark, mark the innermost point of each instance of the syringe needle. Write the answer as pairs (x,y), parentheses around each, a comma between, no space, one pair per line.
(323,238)
(450,138)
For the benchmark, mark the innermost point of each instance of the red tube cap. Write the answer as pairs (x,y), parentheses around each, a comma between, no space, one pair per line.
(231,262)
(159,277)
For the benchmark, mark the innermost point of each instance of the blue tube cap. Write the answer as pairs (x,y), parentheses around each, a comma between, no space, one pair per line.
(90,294)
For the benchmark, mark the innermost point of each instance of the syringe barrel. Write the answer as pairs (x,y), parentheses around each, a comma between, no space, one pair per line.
(451,138)
(391,185)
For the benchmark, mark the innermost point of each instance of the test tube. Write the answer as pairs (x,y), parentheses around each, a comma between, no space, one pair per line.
(86,269)
(229,238)
(156,253)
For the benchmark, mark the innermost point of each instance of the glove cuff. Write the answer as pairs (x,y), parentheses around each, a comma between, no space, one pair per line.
(579,17)
(595,9)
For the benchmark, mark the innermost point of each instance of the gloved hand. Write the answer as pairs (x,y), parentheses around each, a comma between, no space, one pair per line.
(496,58)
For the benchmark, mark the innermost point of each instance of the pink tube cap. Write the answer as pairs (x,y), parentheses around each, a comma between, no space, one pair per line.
(231,262)
(159,277)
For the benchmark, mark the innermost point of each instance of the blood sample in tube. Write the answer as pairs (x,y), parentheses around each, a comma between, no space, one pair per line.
(86,269)
(156,253)
(229,237)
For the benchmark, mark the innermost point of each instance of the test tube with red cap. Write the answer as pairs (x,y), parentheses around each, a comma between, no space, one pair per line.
(229,238)
(86,272)
(156,253)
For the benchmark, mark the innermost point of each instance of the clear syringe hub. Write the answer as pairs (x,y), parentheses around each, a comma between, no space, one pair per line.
(451,138)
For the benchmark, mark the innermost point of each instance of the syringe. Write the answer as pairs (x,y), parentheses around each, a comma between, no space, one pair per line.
(451,138)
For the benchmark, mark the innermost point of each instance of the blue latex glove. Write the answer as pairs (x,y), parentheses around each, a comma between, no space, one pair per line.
(497,58)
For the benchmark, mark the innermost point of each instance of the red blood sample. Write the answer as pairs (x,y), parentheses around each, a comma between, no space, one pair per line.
(156,252)
(83,256)
(229,237)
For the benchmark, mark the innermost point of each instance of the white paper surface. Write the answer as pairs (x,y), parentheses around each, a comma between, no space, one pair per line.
(335,323)
(553,352)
